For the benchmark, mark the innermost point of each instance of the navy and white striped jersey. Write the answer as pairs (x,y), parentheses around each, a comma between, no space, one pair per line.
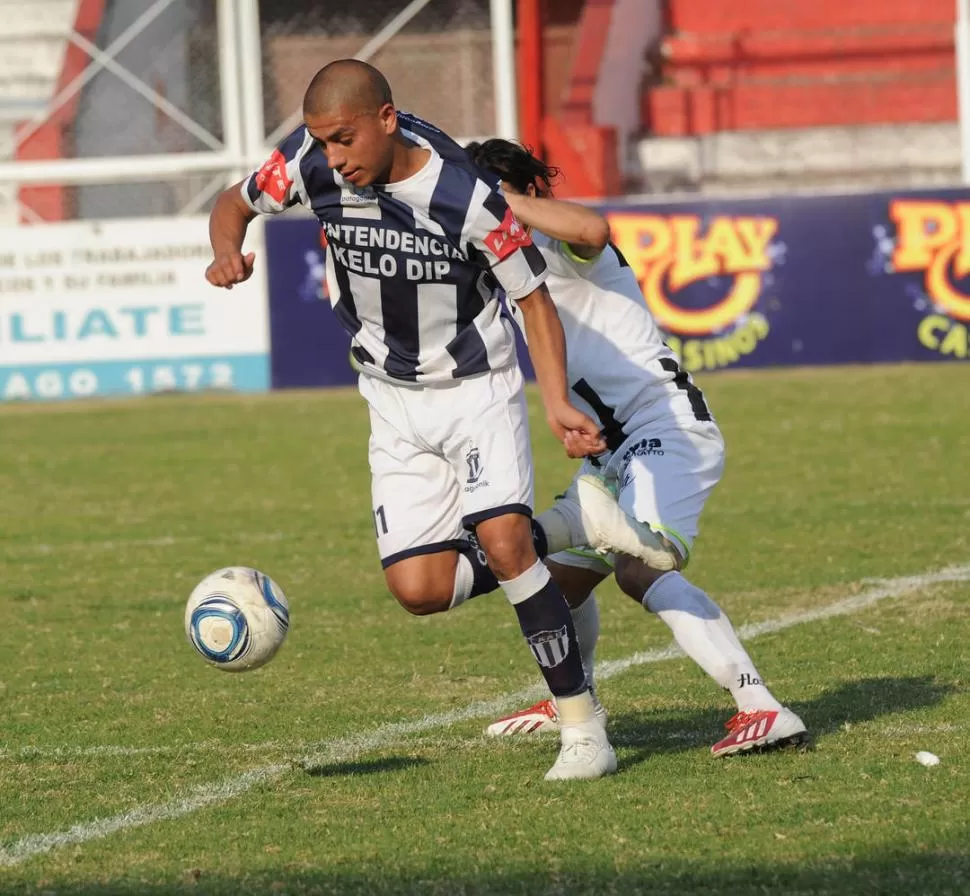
(414,268)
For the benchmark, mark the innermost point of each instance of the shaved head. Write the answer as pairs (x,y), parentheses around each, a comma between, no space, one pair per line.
(348,85)
(349,112)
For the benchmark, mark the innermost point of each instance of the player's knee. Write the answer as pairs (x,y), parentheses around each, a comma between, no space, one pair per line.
(634,577)
(419,595)
(420,602)
(508,546)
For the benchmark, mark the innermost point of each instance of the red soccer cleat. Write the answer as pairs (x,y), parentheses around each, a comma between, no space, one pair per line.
(541,718)
(765,729)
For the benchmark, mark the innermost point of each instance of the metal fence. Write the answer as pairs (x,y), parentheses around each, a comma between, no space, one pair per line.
(150,107)
(115,108)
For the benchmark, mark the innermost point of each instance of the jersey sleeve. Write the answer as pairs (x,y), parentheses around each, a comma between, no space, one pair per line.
(582,264)
(278,184)
(508,250)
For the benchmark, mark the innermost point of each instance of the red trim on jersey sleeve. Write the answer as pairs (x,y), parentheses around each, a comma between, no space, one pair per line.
(272,178)
(507,237)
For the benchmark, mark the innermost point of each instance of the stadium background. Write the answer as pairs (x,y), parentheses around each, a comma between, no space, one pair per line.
(784,177)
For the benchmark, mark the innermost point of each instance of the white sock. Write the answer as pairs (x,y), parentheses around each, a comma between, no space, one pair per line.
(576,710)
(586,619)
(706,635)
(464,582)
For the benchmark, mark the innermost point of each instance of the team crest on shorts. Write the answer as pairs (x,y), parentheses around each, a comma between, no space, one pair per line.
(475,469)
(474,461)
(549,648)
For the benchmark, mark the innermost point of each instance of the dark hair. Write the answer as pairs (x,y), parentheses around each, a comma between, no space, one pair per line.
(512,163)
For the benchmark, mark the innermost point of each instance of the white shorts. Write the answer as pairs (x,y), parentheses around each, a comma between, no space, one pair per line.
(444,457)
(663,475)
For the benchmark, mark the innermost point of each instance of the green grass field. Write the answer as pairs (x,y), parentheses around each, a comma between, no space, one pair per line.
(355,763)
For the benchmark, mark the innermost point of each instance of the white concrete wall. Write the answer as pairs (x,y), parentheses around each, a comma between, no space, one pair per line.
(831,158)
(33,40)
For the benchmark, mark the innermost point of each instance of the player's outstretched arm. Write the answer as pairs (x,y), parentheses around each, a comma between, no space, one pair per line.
(586,231)
(547,348)
(228,222)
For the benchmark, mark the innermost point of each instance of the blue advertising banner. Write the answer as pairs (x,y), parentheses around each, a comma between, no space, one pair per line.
(875,277)
(805,279)
(309,347)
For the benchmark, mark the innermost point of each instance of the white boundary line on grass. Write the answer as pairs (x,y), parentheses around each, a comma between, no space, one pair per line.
(347,748)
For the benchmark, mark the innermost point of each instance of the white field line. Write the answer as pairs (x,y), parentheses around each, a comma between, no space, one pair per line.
(347,748)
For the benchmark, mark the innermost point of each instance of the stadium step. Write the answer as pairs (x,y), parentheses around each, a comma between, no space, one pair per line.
(764,104)
(719,16)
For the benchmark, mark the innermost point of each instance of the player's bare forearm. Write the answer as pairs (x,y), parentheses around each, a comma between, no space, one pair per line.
(229,220)
(586,231)
(228,223)
(547,346)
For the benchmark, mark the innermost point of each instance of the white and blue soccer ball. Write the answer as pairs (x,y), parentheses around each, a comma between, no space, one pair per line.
(237,618)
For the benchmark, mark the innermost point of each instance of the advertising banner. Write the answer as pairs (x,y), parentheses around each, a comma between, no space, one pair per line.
(804,279)
(842,279)
(122,307)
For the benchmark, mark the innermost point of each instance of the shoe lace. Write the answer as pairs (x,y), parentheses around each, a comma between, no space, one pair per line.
(579,751)
(740,720)
(548,708)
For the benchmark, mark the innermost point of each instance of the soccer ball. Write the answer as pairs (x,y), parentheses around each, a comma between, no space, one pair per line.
(237,618)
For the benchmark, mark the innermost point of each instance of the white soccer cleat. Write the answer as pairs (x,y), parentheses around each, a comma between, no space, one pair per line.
(540,718)
(586,753)
(761,730)
(609,528)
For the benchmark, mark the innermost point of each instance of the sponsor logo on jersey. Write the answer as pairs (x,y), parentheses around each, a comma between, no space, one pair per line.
(357,197)
(272,178)
(704,279)
(933,239)
(507,237)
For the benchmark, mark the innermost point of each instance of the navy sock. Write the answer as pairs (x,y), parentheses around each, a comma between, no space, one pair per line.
(547,624)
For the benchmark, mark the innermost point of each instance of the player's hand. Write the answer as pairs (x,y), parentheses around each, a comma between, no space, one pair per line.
(229,268)
(579,434)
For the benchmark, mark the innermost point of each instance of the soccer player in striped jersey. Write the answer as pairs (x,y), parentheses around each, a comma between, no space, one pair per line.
(420,247)
(664,453)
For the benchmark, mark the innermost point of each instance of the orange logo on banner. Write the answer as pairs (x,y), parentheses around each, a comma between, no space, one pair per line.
(934,237)
(669,252)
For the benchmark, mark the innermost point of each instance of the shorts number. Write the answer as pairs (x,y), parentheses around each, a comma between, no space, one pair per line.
(380,520)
